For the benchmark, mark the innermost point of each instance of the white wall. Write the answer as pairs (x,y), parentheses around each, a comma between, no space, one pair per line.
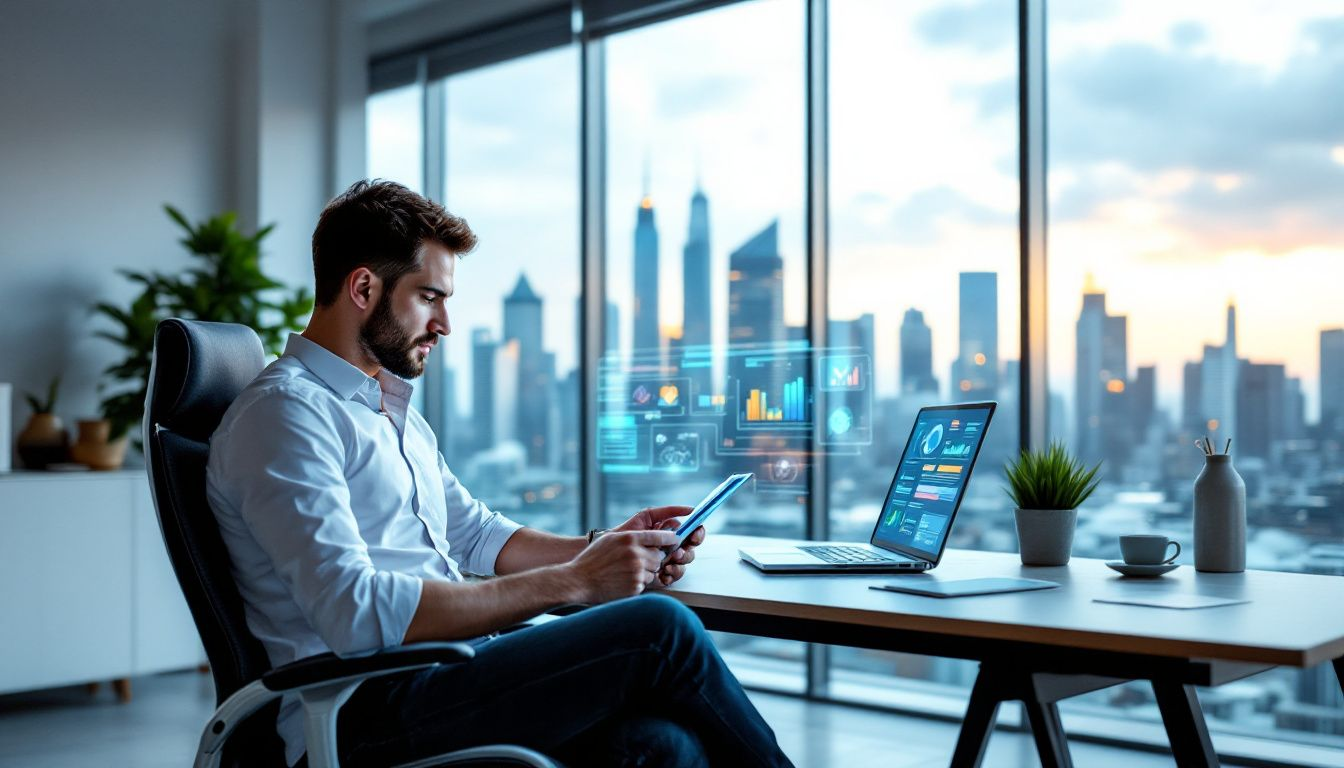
(110,109)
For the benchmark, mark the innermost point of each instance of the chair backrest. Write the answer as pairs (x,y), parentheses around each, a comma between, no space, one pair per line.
(198,370)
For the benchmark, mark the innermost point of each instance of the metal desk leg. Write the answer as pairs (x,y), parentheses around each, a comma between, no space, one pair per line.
(978,724)
(1339,671)
(1048,729)
(1184,719)
(1039,692)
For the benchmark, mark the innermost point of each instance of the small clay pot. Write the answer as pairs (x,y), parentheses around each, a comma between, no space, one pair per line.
(43,441)
(92,448)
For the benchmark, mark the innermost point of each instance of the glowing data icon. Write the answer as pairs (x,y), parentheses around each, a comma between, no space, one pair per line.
(840,421)
(844,376)
(641,395)
(667,395)
(844,372)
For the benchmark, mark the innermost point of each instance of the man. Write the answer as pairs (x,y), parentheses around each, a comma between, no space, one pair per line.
(347,530)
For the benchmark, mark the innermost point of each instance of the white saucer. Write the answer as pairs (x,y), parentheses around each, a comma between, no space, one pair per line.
(1141,570)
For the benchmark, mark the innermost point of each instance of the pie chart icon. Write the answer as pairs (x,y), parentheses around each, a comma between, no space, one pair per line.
(932,440)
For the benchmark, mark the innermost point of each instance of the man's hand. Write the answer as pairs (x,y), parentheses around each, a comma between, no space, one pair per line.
(620,564)
(667,518)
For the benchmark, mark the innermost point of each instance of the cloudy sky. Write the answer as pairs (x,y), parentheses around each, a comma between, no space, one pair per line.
(1196,154)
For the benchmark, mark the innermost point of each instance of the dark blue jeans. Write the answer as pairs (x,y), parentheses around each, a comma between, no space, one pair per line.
(636,682)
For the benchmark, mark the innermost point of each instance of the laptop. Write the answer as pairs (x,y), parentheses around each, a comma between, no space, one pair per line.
(921,504)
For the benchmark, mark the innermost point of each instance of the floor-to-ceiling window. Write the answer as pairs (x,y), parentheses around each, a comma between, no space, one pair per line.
(395,148)
(509,370)
(1196,180)
(1196,154)
(706,292)
(923,262)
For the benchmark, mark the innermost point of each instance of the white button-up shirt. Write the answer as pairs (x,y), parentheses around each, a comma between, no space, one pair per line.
(335,504)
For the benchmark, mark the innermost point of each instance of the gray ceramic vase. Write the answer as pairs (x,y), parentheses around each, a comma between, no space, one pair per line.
(1045,536)
(1220,517)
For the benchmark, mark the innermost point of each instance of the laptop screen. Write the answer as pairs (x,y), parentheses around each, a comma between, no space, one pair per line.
(931,478)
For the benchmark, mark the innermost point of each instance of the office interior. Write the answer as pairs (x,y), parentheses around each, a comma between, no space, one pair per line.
(1119,221)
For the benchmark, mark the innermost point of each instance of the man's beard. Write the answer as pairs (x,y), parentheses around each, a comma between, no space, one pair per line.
(388,343)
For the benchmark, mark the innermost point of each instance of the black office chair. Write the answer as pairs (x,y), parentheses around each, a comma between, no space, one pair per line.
(198,370)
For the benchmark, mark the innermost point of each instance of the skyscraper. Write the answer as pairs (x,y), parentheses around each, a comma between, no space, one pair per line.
(1143,400)
(1191,387)
(696,308)
(1332,381)
(916,354)
(756,290)
(504,401)
(483,348)
(1218,384)
(523,323)
(1104,427)
(645,307)
(522,317)
(976,370)
(1295,410)
(1262,395)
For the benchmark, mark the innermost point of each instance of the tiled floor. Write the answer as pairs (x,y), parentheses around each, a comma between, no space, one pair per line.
(159,728)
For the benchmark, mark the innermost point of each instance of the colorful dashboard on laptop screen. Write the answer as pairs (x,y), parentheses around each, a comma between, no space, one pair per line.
(931,476)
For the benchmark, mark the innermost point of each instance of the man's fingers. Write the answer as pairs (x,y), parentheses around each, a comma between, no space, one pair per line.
(651,558)
(653,538)
(671,573)
(683,556)
(670,524)
(657,515)
(697,537)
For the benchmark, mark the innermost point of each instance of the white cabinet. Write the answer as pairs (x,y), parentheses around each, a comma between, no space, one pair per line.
(86,590)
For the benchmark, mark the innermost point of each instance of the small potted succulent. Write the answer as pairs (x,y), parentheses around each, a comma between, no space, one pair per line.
(1048,487)
(43,440)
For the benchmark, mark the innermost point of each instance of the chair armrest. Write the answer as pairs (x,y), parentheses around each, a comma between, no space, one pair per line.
(328,666)
(323,682)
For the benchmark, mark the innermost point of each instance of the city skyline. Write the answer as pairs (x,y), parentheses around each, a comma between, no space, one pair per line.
(1129,235)
(756,287)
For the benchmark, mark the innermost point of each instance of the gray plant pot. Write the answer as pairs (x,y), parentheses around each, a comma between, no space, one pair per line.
(1045,536)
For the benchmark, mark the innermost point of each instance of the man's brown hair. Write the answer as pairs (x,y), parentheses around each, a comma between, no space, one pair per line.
(380,225)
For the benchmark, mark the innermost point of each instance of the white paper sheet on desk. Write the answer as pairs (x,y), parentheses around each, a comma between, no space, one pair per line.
(1181,602)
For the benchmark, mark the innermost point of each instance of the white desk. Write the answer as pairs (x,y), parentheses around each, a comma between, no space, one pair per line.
(1041,647)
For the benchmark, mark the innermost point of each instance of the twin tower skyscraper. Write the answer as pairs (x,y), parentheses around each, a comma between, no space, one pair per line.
(755,283)
(695,276)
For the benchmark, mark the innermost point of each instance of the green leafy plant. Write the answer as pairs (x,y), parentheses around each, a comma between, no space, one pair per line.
(1050,479)
(48,405)
(224,285)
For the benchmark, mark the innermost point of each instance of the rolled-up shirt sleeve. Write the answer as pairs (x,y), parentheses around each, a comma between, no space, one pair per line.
(293,497)
(478,533)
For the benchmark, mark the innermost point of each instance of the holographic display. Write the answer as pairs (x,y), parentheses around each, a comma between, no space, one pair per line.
(762,408)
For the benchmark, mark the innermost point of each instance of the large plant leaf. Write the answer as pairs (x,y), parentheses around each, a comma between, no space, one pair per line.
(226,284)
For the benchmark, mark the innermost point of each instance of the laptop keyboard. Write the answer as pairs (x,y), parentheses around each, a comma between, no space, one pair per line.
(849,555)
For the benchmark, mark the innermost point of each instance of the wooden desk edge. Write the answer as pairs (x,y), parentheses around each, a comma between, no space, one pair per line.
(1071,638)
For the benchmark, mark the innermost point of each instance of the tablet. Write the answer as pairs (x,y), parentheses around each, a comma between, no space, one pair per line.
(707,506)
(966,587)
